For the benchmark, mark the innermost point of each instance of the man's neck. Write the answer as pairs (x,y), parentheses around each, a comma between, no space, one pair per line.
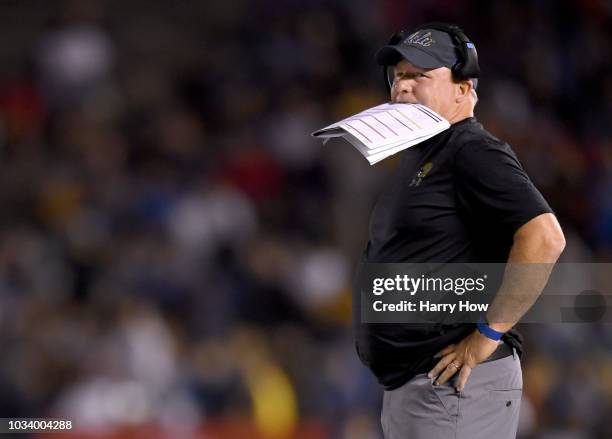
(460,114)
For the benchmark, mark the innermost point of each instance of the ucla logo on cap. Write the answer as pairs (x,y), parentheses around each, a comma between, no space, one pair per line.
(420,38)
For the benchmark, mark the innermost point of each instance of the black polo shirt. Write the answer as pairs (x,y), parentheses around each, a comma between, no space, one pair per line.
(457,197)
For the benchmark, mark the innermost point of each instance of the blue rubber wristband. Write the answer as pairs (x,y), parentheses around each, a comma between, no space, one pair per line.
(487,331)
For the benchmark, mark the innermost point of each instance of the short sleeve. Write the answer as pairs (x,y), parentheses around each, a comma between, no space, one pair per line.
(492,185)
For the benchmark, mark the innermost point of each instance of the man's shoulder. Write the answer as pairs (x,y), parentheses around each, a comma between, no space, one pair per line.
(473,133)
(471,138)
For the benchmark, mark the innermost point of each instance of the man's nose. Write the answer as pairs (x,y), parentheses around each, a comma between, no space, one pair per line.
(404,85)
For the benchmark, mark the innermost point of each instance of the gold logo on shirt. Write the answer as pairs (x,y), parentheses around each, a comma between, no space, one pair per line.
(418,178)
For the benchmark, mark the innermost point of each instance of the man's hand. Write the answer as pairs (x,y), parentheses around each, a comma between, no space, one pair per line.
(462,357)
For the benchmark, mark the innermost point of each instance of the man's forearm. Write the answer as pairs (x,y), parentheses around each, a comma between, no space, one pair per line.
(536,248)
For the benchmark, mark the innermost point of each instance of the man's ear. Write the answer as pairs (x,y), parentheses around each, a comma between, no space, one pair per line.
(463,90)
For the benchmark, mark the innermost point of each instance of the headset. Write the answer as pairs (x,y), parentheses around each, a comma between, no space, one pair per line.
(467,67)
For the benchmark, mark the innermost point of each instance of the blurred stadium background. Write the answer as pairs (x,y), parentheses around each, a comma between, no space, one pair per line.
(176,251)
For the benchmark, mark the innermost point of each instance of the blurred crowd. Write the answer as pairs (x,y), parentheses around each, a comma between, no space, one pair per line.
(176,251)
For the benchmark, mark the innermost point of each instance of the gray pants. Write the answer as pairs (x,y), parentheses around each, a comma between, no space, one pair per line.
(488,406)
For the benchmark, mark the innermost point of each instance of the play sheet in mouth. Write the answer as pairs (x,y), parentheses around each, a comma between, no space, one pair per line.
(386,129)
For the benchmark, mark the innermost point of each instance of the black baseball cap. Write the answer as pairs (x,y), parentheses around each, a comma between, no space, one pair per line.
(425,48)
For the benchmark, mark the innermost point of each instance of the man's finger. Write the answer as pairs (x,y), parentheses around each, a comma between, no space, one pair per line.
(464,374)
(441,365)
(452,368)
(447,350)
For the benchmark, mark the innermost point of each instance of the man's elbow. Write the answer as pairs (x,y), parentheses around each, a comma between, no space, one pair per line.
(542,237)
(553,242)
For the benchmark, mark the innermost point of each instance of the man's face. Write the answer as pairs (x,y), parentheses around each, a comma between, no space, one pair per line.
(433,88)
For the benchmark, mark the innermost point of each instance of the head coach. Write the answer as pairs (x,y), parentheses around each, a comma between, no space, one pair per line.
(460,196)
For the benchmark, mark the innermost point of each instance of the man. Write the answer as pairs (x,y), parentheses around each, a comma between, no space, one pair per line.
(461,196)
